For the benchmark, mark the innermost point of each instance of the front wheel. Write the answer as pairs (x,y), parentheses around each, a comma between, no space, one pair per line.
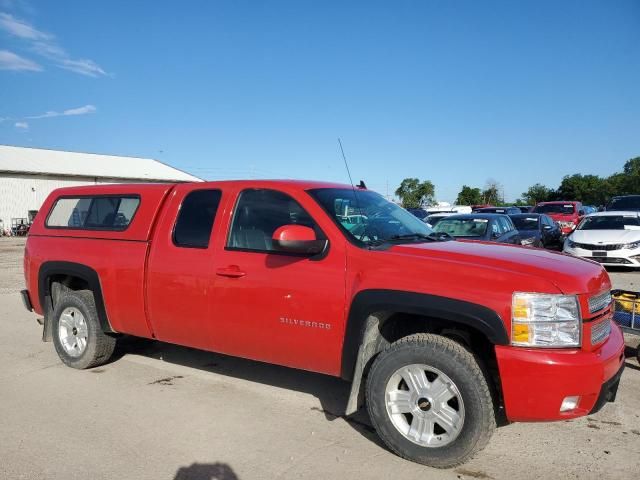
(429,401)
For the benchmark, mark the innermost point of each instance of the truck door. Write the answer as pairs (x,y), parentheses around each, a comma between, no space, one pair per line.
(180,265)
(277,307)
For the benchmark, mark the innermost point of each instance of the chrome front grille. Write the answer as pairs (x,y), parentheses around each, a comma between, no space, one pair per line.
(600,331)
(598,302)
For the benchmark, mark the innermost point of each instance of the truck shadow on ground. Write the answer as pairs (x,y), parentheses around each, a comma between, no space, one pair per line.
(331,392)
(206,471)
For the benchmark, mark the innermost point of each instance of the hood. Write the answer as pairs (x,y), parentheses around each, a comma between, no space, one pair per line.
(571,275)
(605,236)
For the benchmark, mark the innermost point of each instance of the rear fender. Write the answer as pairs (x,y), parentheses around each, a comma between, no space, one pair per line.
(47,293)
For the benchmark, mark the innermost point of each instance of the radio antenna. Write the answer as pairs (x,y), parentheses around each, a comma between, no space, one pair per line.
(355,193)
(346,164)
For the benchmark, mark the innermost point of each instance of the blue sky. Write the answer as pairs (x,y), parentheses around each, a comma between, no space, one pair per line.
(456,92)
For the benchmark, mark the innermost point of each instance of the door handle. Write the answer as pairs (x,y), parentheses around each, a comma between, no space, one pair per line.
(232,271)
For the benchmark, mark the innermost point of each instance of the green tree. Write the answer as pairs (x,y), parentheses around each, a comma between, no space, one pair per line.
(537,193)
(469,196)
(415,194)
(627,182)
(588,189)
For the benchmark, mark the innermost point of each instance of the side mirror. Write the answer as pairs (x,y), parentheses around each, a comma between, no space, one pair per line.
(581,213)
(297,239)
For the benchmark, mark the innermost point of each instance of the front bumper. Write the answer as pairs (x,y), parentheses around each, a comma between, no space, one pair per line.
(536,381)
(623,257)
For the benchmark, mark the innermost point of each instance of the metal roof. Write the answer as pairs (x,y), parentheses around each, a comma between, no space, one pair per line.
(59,163)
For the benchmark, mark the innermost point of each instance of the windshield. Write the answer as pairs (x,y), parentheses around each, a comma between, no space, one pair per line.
(462,227)
(625,203)
(525,223)
(610,222)
(561,208)
(368,218)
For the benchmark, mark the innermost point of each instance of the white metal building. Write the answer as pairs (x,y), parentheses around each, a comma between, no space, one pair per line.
(29,175)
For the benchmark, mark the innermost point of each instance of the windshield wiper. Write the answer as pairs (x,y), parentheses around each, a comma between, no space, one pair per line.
(432,237)
(415,237)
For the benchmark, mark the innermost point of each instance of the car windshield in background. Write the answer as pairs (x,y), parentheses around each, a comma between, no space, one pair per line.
(563,208)
(625,203)
(368,218)
(462,227)
(434,219)
(525,223)
(610,222)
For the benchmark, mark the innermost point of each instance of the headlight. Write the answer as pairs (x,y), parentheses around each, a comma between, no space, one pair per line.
(528,241)
(571,243)
(545,320)
(631,245)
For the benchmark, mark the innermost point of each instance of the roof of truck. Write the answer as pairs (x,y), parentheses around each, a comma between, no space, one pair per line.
(301,184)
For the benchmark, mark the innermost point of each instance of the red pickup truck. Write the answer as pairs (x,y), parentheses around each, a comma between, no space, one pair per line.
(437,337)
(566,214)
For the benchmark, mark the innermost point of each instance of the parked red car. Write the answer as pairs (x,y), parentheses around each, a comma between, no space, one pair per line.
(566,214)
(435,335)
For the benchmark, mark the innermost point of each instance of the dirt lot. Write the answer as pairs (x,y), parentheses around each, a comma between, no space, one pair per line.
(160,411)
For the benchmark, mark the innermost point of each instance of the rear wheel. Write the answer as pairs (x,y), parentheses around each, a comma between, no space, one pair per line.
(77,335)
(429,401)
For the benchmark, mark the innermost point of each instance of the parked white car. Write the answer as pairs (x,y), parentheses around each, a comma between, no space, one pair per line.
(610,238)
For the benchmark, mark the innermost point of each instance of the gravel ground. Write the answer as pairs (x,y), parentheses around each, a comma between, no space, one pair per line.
(11,276)
(162,411)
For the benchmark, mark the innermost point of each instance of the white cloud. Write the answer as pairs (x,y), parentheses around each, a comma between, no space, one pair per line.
(23,125)
(65,113)
(48,50)
(45,45)
(21,29)
(83,67)
(12,61)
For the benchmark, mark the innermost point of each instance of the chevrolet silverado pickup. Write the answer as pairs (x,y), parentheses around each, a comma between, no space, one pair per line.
(439,338)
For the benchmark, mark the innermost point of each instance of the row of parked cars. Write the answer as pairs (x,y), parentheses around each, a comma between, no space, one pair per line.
(610,237)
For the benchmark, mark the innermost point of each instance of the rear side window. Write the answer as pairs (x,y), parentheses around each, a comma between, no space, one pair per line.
(195,220)
(93,213)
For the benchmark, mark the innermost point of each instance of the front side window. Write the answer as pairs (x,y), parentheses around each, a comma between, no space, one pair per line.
(93,213)
(195,220)
(259,213)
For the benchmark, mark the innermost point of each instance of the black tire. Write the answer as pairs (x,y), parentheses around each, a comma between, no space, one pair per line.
(463,369)
(99,346)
